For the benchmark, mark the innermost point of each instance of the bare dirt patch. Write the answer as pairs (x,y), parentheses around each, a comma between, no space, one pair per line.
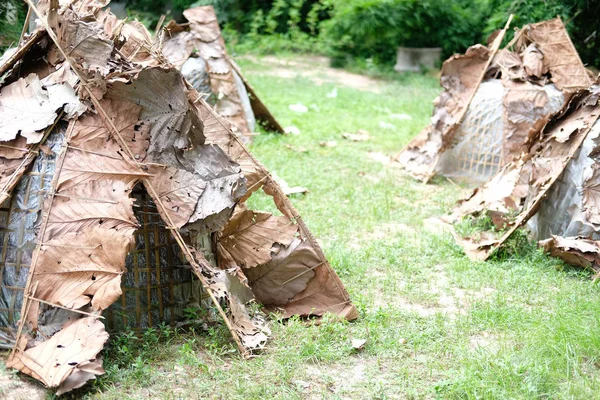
(450,300)
(15,387)
(316,69)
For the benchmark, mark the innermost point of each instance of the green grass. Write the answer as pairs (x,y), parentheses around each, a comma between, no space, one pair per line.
(437,325)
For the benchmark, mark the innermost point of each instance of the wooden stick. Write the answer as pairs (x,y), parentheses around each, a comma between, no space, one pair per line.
(25,25)
(65,308)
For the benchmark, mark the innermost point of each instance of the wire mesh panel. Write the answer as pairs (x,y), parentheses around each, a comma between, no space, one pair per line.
(159,284)
(19,218)
(476,153)
(157,287)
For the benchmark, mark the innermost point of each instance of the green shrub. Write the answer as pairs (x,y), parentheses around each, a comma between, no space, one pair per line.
(375,28)
(12,16)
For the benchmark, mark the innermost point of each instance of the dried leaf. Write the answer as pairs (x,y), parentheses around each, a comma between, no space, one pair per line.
(299,108)
(28,107)
(575,251)
(92,269)
(461,76)
(533,61)
(138,45)
(329,143)
(162,95)
(560,57)
(248,238)
(526,110)
(200,15)
(561,140)
(64,355)
(84,42)
(286,188)
(179,48)
(357,137)
(359,344)
(287,274)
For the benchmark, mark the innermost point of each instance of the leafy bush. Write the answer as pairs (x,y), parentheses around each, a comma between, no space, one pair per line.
(12,16)
(351,30)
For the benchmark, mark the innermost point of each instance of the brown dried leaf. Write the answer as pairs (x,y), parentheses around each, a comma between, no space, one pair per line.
(525,107)
(461,76)
(179,191)
(360,136)
(576,251)
(92,269)
(509,64)
(66,353)
(205,32)
(287,274)
(248,238)
(138,45)
(533,61)
(28,107)
(163,97)
(200,15)
(560,57)
(84,42)
(560,142)
(179,48)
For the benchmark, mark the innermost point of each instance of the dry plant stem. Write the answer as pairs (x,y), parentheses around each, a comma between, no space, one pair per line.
(494,50)
(515,39)
(31,153)
(64,308)
(37,34)
(25,24)
(159,24)
(177,236)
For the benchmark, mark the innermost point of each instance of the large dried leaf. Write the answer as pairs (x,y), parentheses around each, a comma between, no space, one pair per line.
(92,267)
(200,15)
(178,190)
(218,131)
(207,41)
(261,112)
(163,97)
(560,56)
(286,275)
(248,239)
(65,354)
(179,48)
(86,234)
(27,107)
(580,252)
(84,42)
(526,110)
(209,183)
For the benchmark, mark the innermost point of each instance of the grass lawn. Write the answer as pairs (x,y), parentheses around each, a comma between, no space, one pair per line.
(436,325)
